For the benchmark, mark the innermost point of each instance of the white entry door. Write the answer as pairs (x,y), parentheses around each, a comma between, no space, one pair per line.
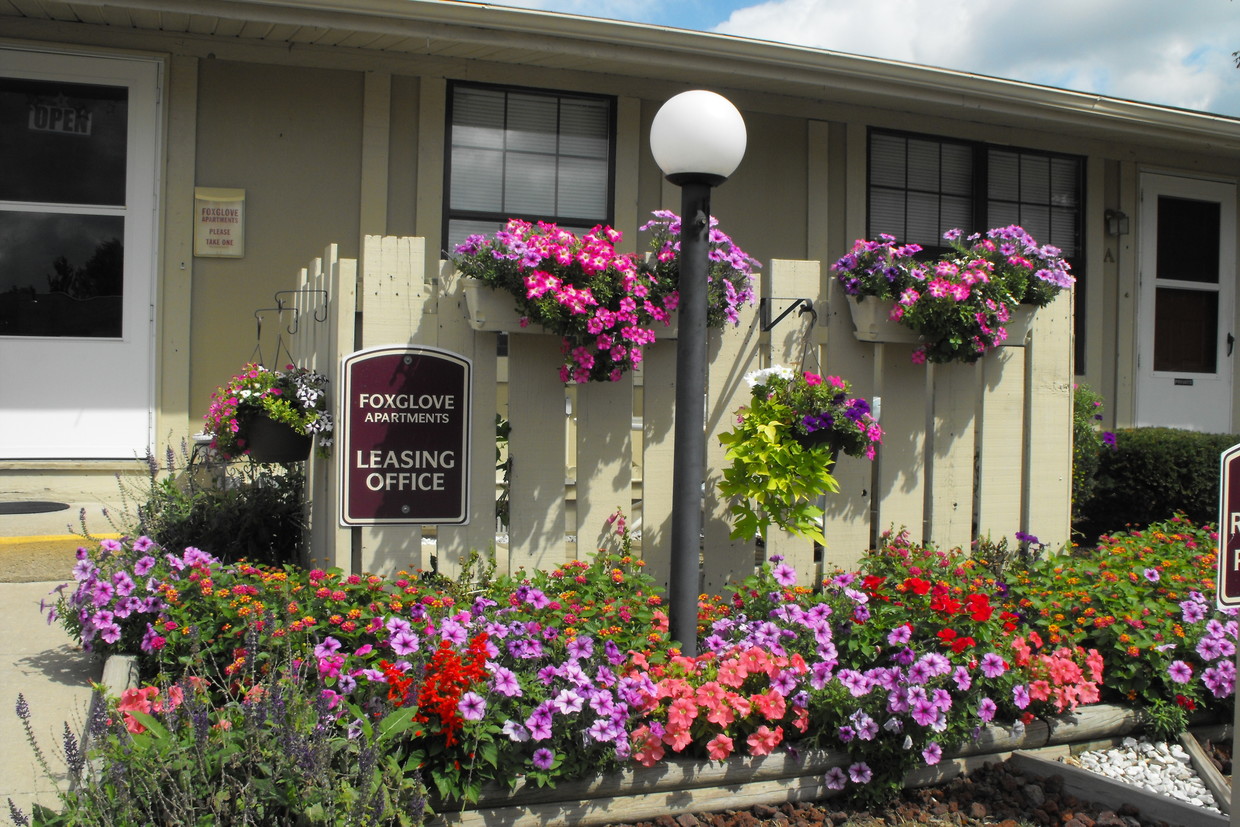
(77,237)
(1187,262)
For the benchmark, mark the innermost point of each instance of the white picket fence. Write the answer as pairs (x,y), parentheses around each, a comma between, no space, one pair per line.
(970,450)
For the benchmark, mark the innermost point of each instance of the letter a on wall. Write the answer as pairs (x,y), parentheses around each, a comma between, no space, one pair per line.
(404,442)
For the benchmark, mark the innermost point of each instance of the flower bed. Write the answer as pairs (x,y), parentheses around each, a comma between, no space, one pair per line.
(355,691)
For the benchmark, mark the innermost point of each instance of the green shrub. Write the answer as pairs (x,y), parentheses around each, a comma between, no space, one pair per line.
(1088,441)
(1152,474)
(237,511)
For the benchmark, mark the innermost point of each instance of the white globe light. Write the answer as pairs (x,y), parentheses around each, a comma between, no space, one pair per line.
(698,136)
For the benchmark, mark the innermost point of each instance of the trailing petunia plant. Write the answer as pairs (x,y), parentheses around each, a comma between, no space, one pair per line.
(959,304)
(784,446)
(607,306)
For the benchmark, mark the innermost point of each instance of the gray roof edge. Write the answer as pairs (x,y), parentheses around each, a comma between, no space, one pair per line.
(799,65)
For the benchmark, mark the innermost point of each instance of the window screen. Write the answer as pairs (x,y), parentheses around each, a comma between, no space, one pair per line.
(517,153)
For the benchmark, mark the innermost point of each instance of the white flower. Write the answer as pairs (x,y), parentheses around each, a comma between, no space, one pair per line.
(760,377)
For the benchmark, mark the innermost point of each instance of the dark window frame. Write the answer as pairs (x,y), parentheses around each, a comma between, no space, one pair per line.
(500,217)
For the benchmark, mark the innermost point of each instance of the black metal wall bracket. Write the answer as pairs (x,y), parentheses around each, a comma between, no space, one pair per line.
(802,306)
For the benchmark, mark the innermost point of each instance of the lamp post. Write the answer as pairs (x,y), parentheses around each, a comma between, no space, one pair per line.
(698,139)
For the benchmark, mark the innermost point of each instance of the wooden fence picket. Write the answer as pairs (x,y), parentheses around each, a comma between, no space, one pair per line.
(969,449)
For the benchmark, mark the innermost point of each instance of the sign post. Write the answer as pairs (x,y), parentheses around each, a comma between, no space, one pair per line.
(1227,593)
(405,440)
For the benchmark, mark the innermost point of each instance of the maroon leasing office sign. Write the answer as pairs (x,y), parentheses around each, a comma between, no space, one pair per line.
(1228,592)
(404,446)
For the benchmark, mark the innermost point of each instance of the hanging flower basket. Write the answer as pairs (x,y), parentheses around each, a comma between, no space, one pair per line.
(607,306)
(271,441)
(292,400)
(960,305)
(871,322)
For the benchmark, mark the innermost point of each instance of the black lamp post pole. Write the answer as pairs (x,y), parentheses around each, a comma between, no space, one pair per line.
(689,462)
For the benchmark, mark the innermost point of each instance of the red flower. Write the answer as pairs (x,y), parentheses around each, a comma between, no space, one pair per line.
(979,608)
(916,585)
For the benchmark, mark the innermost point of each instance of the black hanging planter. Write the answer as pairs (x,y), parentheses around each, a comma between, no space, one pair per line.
(822,438)
(271,441)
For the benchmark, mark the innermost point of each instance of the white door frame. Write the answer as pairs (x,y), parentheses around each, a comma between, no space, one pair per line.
(82,398)
(1199,400)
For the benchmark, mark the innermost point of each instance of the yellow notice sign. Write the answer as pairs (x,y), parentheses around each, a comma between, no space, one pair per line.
(219,222)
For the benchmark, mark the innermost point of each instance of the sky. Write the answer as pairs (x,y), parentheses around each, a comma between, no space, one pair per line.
(1170,52)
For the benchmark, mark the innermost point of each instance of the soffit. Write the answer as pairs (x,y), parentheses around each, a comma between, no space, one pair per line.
(478,32)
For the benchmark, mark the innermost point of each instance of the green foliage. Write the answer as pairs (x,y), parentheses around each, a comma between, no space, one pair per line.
(1152,474)
(238,511)
(1088,441)
(279,753)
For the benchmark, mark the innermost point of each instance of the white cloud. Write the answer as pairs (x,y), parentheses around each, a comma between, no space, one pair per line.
(1137,49)
(1171,52)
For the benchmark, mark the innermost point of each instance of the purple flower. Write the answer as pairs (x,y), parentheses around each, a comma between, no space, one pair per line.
(962,678)
(932,753)
(835,779)
(1220,679)
(1152,575)
(986,710)
(504,681)
(1180,671)
(568,702)
(1209,648)
(453,632)
(992,665)
(1192,611)
(785,575)
(846,733)
(144,565)
(543,758)
(860,773)
(1020,696)
(404,643)
(472,706)
(327,648)
(581,648)
(899,635)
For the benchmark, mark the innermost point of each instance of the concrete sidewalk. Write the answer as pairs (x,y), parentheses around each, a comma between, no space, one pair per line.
(41,663)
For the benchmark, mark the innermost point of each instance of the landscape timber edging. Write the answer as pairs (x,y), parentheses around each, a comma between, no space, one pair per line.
(679,786)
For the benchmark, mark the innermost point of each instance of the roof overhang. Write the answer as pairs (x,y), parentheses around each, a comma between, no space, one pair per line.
(452,29)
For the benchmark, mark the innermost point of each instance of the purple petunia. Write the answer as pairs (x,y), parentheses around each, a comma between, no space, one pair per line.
(472,706)
(1180,671)
(785,575)
(992,665)
(543,758)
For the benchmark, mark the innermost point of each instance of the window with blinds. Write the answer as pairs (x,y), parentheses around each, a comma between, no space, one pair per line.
(521,153)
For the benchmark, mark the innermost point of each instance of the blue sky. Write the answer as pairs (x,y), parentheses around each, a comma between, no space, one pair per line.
(1170,52)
